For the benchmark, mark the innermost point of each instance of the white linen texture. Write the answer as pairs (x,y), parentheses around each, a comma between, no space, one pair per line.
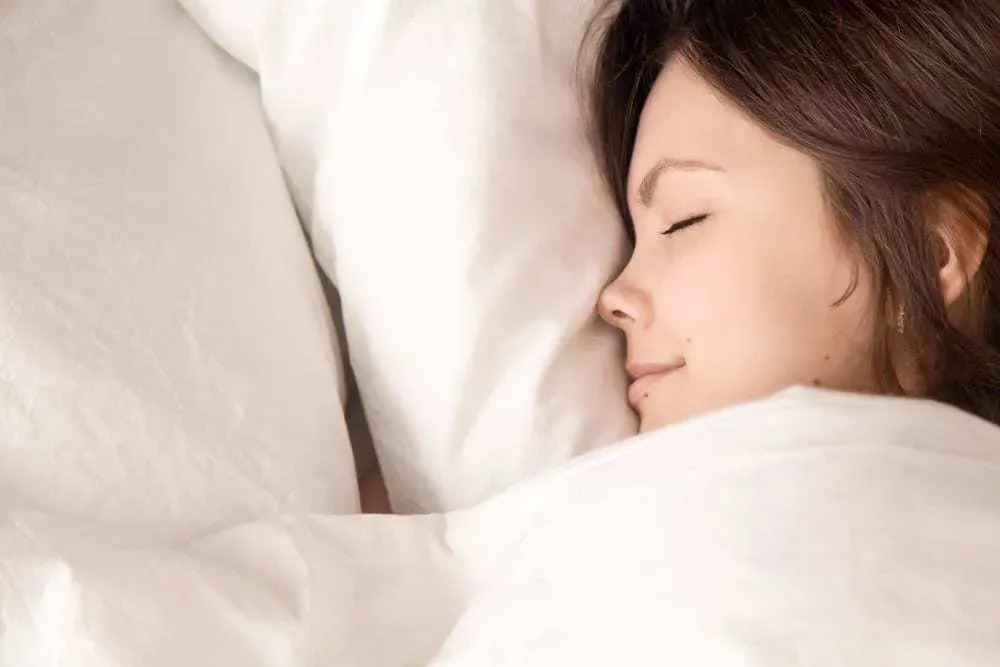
(807,529)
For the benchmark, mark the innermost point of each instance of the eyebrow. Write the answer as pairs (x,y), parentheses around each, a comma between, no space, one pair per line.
(647,187)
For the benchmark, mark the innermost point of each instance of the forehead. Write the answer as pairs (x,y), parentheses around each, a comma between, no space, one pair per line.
(685,118)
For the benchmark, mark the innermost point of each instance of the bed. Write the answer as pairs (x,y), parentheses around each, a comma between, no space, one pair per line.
(244,239)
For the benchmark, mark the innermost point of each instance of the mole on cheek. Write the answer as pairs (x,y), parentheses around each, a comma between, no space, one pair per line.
(826,357)
(817,383)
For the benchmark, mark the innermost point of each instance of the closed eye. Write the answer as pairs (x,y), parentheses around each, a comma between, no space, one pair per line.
(683,224)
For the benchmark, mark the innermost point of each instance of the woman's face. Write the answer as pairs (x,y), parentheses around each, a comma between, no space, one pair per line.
(731,291)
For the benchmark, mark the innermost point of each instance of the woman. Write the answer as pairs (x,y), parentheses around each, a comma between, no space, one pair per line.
(812,189)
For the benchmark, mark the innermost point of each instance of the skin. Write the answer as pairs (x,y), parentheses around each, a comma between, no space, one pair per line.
(374,496)
(743,302)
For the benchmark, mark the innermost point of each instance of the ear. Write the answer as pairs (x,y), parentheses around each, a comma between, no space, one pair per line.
(961,229)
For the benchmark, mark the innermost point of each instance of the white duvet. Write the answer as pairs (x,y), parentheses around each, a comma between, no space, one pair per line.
(807,529)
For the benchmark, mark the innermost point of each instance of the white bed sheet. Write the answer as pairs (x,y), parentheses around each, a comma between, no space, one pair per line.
(807,529)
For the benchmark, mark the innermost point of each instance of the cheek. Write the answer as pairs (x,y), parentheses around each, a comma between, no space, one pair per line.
(701,293)
(739,308)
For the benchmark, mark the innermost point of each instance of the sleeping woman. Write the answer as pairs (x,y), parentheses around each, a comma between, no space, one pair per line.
(812,191)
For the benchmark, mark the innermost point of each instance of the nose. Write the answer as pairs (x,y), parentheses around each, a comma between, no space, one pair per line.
(624,305)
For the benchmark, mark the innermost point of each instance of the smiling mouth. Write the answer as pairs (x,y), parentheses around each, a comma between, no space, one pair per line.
(644,379)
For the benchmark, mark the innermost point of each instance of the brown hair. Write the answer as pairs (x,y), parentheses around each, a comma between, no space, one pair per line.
(899,103)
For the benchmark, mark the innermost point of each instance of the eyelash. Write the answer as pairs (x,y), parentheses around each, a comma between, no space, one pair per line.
(683,224)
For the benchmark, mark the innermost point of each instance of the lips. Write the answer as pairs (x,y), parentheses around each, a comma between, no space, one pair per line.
(644,376)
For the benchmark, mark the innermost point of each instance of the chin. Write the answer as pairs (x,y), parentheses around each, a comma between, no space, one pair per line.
(658,421)
(651,420)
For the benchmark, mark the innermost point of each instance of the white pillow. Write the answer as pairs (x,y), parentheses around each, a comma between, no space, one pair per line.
(437,153)
(167,361)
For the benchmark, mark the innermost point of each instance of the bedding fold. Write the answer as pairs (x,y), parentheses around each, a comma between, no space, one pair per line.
(290,591)
(809,529)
